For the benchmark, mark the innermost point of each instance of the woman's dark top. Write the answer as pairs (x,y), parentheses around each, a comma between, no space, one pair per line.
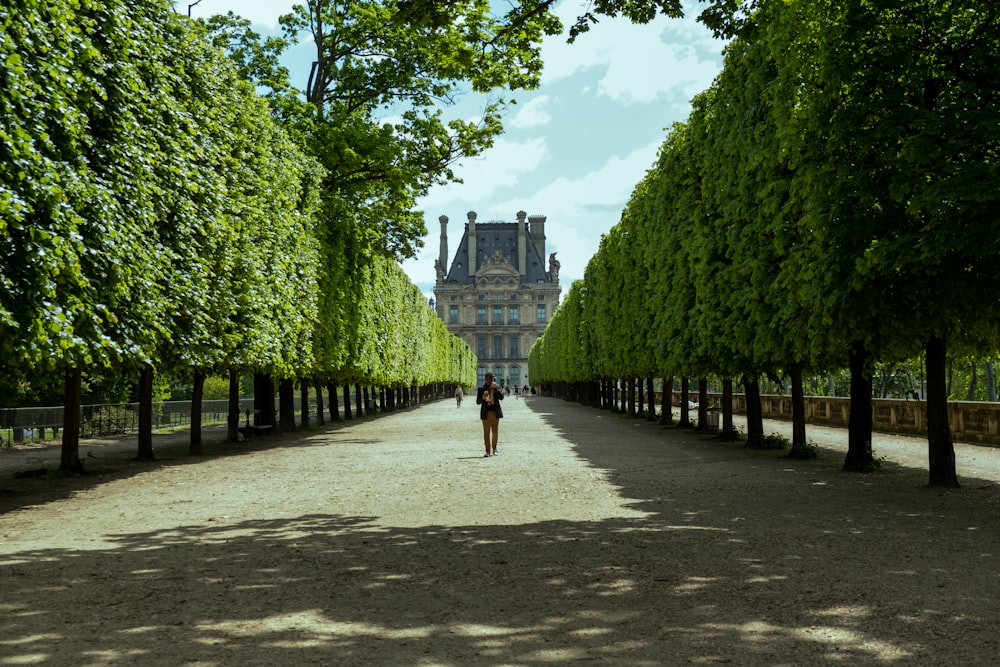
(485,407)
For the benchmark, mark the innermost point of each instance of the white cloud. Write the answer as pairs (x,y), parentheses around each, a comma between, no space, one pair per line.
(532,113)
(640,62)
(499,166)
(611,183)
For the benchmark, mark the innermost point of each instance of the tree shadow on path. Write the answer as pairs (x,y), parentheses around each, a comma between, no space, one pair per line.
(738,559)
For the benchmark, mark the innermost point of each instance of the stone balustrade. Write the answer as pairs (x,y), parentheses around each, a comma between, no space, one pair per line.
(971,421)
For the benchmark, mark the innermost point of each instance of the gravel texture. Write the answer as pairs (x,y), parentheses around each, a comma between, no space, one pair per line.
(591,539)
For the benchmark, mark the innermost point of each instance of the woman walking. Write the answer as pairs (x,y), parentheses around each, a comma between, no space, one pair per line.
(488,398)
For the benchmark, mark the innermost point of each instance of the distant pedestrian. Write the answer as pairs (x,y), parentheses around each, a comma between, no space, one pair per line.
(488,398)
(458,396)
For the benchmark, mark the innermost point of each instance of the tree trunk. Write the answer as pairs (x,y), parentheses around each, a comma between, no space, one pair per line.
(233,414)
(702,404)
(304,386)
(798,407)
(146,414)
(347,402)
(973,381)
(685,420)
(69,461)
(197,393)
(286,405)
(859,424)
(755,415)
(667,401)
(263,400)
(728,430)
(991,383)
(630,393)
(320,413)
(358,403)
(650,398)
(940,449)
(334,394)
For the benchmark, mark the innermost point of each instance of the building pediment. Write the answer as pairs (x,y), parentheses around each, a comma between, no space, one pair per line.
(498,272)
(497,266)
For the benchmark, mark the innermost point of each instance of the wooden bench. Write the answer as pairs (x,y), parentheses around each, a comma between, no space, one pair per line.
(250,431)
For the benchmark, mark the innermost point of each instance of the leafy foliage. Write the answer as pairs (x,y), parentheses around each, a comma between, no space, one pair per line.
(831,192)
(155,211)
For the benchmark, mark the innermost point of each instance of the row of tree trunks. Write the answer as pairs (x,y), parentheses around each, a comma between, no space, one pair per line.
(859,456)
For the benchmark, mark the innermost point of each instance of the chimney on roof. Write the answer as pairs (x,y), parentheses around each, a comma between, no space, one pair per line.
(471,236)
(522,243)
(443,250)
(537,231)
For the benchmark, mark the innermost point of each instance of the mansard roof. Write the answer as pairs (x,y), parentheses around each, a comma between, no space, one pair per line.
(493,238)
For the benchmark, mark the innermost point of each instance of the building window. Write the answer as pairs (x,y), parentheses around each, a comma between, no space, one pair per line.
(541,313)
(454,297)
(513,315)
(453,314)
(498,374)
(515,376)
(480,314)
(480,376)
(515,346)
(498,297)
(541,297)
(498,346)
(481,346)
(497,315)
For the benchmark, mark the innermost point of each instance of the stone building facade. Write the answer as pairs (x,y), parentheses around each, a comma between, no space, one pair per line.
(498,293)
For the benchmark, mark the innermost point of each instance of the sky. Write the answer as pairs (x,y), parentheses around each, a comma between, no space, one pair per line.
(573,149)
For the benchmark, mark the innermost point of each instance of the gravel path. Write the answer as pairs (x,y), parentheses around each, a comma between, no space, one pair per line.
(591,539)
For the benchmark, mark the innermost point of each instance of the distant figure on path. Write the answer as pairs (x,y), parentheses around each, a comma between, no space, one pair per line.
(458,396)
(490,412)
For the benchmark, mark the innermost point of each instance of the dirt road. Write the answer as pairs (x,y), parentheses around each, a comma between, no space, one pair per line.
(590,539)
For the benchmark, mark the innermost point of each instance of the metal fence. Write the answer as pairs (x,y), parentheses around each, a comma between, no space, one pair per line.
(45,424)
(42,424)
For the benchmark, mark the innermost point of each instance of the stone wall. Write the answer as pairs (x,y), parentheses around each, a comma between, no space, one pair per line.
(970,421)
